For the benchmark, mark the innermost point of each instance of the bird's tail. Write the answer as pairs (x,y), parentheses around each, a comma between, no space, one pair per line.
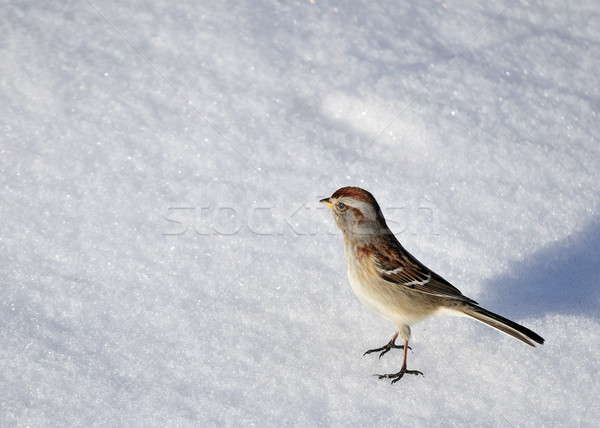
(503,324)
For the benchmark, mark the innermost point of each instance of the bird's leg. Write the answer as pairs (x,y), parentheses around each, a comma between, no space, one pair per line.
(397,376)
(391,344)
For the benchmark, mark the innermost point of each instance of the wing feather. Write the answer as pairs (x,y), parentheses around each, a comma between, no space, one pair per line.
(399,267)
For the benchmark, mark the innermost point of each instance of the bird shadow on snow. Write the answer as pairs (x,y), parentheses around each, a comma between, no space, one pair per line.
(561,278)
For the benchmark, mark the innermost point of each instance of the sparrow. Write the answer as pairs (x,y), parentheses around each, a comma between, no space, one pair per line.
(393,283)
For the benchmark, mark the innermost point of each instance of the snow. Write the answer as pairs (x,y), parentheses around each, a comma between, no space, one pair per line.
(164,257)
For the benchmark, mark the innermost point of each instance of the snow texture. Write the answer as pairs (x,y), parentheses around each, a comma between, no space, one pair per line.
(165,261)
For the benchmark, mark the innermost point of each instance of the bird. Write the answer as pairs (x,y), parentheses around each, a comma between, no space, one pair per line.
(395,285)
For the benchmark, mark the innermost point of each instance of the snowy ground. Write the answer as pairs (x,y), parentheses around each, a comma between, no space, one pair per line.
(163,256)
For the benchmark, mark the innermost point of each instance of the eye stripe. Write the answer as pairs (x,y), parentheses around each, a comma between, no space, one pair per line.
(359,215)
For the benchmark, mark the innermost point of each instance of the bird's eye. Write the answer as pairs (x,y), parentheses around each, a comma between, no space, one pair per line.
(341,206)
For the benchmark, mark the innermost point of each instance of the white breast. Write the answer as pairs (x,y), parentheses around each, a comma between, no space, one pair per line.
(373,297)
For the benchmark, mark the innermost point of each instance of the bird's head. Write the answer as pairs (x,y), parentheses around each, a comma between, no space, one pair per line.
(356,213)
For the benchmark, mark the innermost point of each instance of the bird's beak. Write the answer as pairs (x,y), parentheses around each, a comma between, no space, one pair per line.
(326,202)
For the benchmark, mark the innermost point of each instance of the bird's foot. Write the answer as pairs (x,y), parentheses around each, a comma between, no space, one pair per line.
(397,376)
(385,349)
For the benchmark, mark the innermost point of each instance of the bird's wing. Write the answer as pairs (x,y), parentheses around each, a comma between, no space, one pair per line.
(398,266)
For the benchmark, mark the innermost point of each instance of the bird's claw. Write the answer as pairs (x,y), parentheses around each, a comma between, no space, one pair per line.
(385,349)
(397,376)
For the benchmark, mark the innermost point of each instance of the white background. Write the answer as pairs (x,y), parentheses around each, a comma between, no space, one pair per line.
(163,256)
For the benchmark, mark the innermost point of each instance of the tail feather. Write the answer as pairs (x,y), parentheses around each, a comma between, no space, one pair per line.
(503,324)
